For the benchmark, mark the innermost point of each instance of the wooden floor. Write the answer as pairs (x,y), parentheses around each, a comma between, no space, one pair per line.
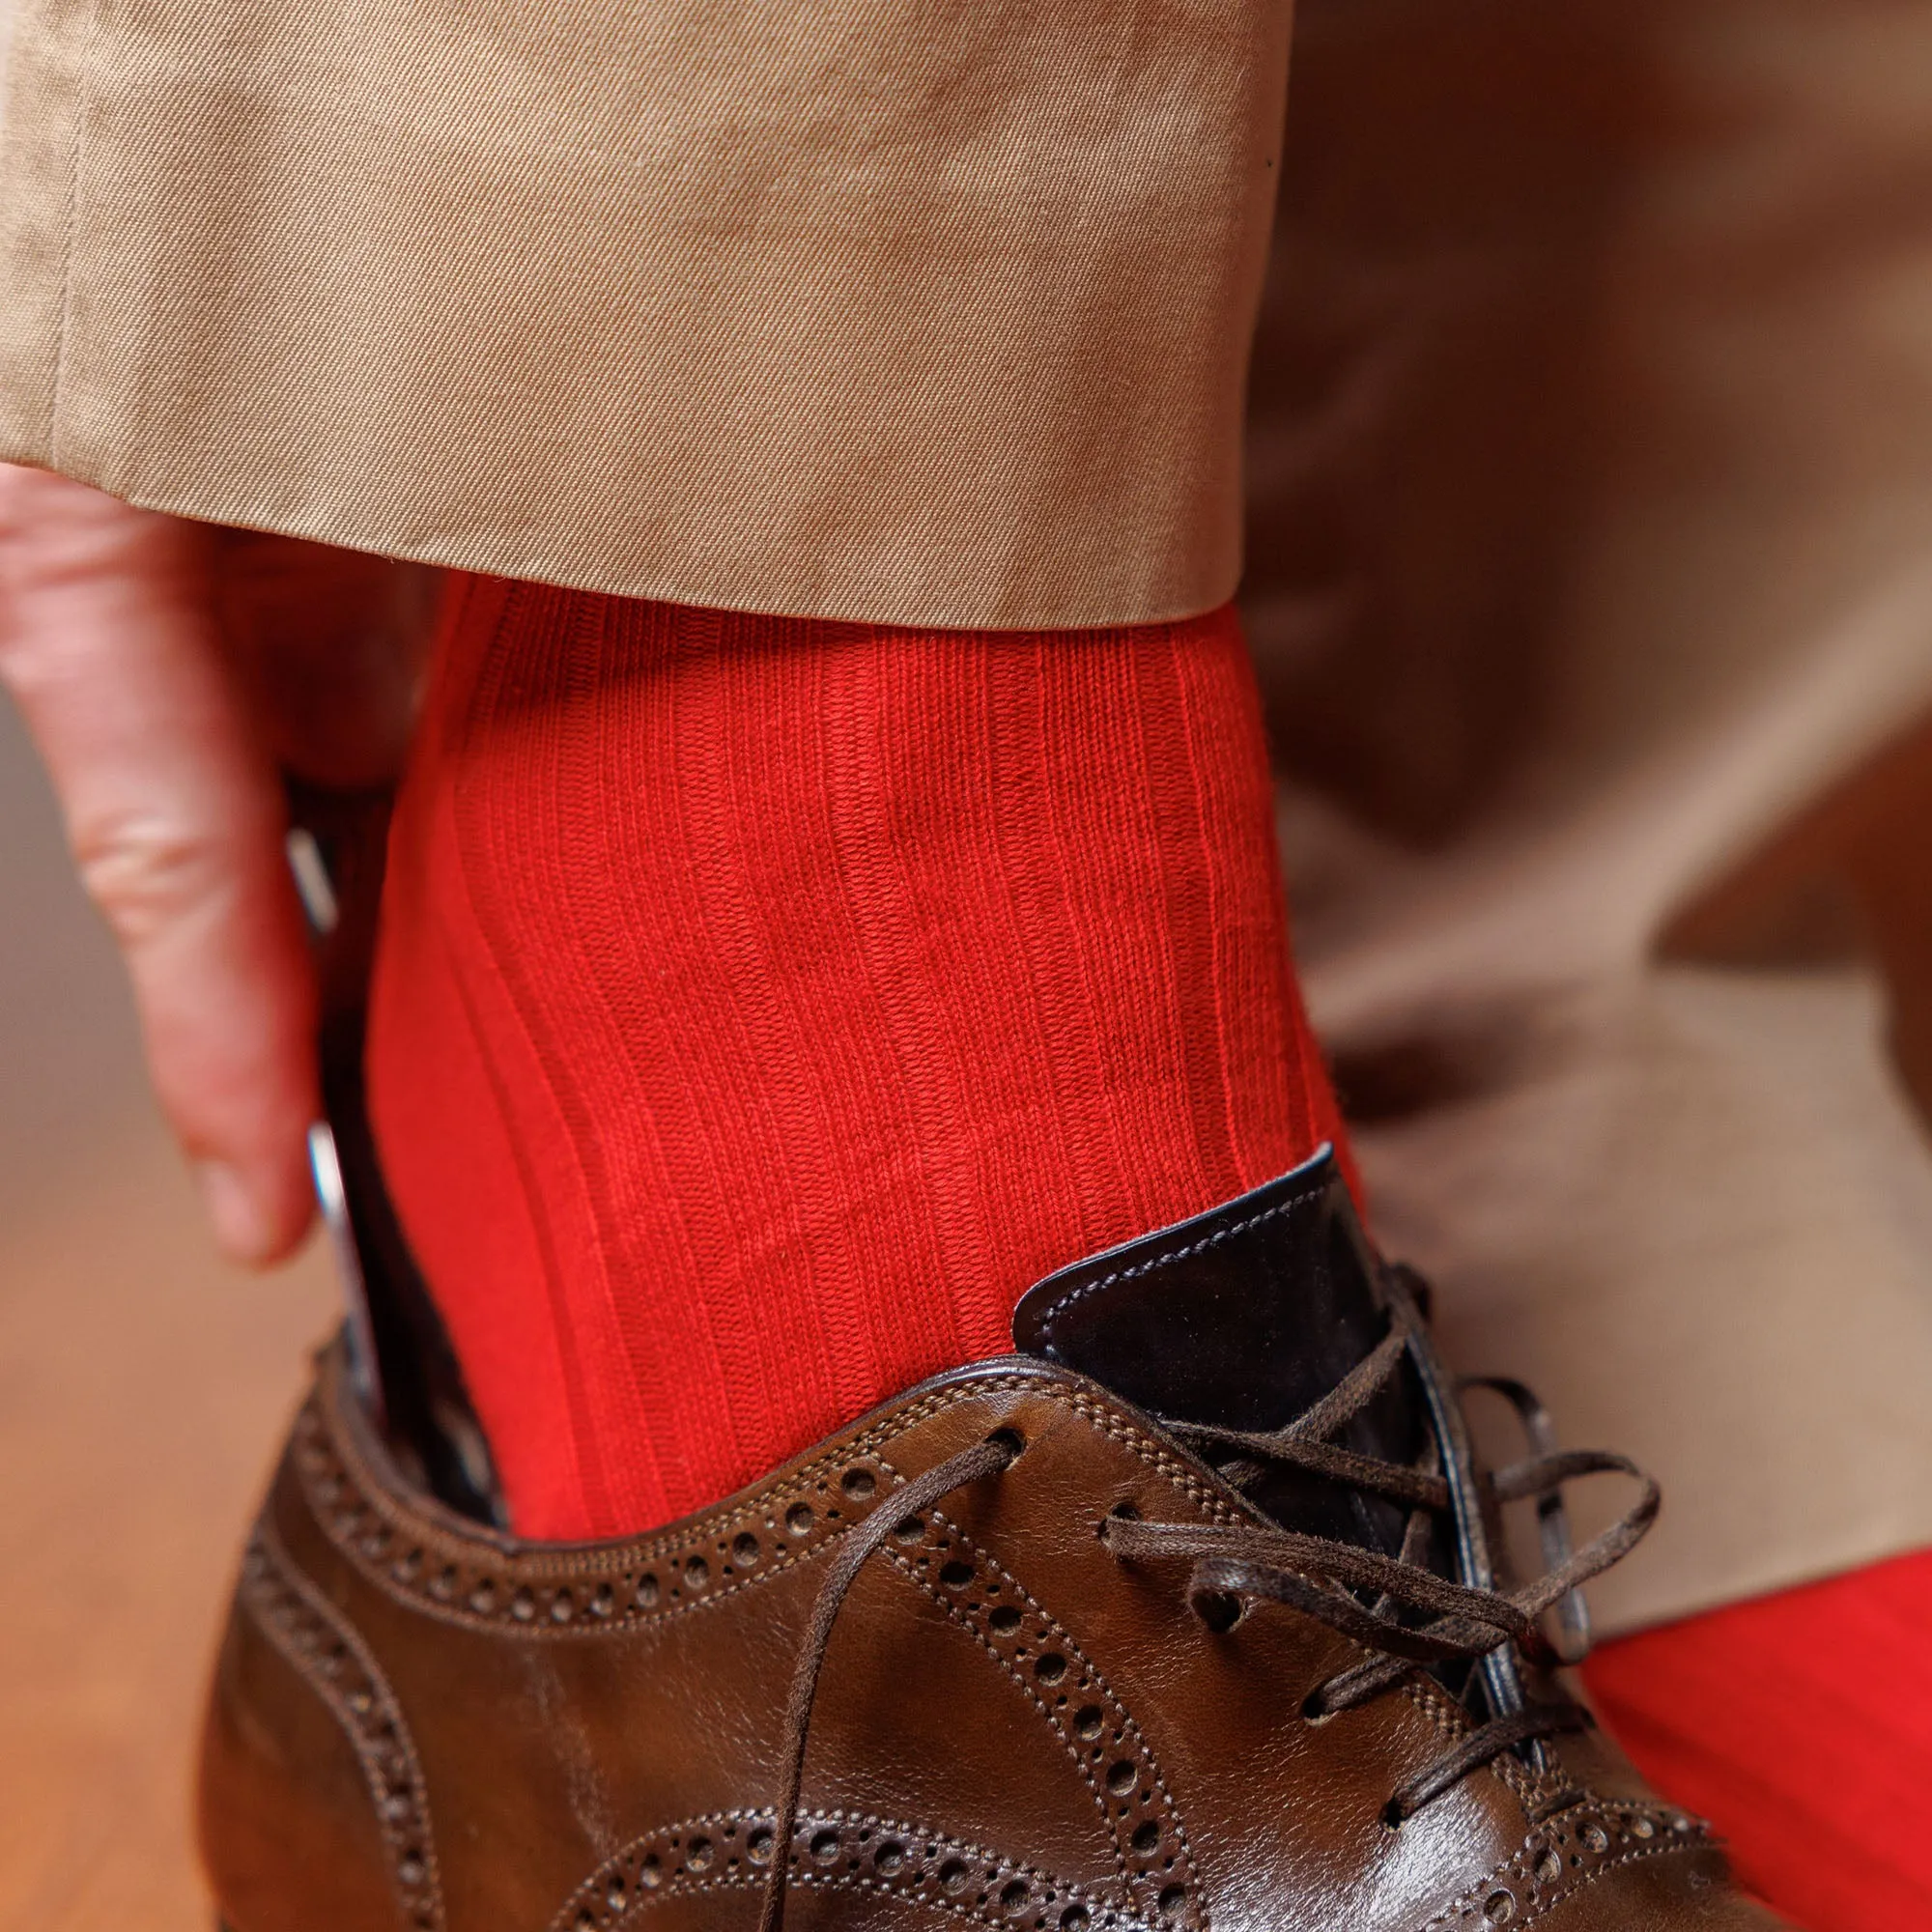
(141,1391)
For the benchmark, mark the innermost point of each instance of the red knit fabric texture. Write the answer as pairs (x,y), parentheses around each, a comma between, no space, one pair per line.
(1802,1726)
(762,1006)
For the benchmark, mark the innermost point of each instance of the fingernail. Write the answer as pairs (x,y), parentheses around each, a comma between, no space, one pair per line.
(240,1225)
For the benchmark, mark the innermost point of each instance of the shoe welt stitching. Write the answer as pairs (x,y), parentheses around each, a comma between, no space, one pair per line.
(330,1657)
(985,1888)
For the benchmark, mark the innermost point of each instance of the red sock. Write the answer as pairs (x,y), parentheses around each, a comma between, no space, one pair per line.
(763,1005)
(1802,1726)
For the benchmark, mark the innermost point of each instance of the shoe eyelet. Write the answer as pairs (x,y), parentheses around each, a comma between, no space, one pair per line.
(1314,1711)
(1009,1439)
(1219,1609)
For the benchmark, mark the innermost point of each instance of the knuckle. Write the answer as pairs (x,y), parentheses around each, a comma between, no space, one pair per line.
(148,872)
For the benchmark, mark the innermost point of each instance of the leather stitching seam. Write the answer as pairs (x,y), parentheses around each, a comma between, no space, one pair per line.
(975,1915)
(323,1460)
(1641,1831)
(597,1905)
(1176,1473)
(1065,1301)
(278,1597)
(1632,1857)
(1060,1638)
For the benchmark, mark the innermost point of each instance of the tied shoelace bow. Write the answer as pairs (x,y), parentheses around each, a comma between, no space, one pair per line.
(1237,1564)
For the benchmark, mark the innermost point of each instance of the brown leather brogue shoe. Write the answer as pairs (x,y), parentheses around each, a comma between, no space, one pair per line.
(1190,1615)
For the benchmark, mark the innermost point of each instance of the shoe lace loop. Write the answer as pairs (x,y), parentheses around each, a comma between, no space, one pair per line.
(1363,1594)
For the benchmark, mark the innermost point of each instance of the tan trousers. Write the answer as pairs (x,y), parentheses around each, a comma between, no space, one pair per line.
(1591,577)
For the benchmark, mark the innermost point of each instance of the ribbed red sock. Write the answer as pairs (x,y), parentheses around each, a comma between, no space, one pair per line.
(762,1005)
(1802,1726)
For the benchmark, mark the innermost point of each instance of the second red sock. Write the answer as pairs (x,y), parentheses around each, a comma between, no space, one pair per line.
(1801,1724)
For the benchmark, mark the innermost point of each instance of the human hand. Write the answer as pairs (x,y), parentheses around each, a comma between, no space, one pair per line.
(166,668)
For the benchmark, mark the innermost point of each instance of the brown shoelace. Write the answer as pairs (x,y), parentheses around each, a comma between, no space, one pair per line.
(970,1466)
(1236,1565)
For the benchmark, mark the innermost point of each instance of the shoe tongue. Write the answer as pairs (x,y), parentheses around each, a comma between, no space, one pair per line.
(1241,1319)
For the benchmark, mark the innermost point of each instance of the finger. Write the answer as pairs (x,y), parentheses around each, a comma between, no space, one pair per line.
(107,642)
